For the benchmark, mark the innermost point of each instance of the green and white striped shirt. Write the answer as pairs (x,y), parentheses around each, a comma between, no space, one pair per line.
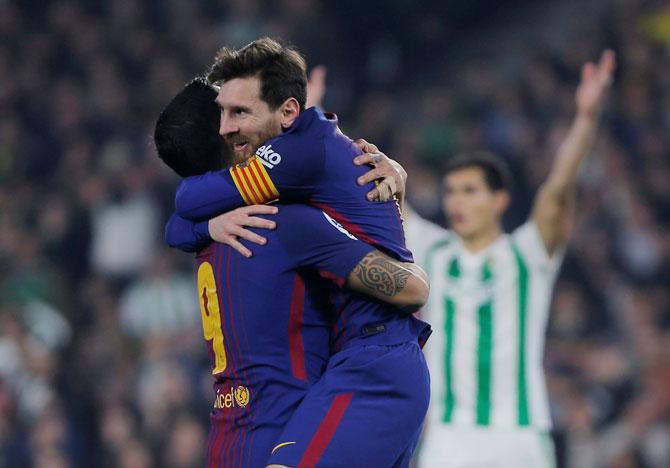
(489,313)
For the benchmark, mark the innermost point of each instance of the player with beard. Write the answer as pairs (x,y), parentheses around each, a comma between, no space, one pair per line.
(368,392)
(261,378)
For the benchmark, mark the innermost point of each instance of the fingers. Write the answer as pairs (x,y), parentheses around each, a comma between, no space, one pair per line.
(588,71)
(371,158)
(363,159)
(383,191)
(229,227)
(250,236)
(385,170)
(386,189)
(259,209)
(261,223)
(372,174)
(366,146)
(607,65)
(237,245)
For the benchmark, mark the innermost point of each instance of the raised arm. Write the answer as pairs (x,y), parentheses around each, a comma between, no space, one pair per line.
(553,210)
(404,285)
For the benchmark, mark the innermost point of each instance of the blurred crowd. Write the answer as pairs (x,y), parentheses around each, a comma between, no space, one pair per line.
(102,361)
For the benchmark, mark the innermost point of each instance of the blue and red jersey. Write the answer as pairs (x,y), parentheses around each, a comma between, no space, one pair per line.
(267,321)
(311,162)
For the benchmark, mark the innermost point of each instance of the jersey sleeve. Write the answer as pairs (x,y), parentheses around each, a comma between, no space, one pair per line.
(421,235)
(204,196)
(186,235)
(528,240)
(316,240)
(289,166)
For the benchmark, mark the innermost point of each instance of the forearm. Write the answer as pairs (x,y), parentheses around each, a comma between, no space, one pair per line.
(202,197)
(404,285)
(570,156)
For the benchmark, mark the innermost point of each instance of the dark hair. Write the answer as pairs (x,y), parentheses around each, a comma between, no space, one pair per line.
(496,173)
(187,131)
(281,70)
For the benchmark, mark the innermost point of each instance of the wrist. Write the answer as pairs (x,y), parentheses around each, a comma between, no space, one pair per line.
(201,231)
(587,116)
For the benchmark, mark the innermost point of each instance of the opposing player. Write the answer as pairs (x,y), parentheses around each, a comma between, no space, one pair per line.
(262,96)
(490,298)
(306,237)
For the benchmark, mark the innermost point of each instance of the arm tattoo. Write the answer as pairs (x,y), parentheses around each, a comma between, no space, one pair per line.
(382,274)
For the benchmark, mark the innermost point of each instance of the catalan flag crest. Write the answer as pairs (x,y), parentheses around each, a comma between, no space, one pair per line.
(253,182)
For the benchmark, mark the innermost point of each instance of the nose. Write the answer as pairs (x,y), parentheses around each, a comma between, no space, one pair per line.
(226,126)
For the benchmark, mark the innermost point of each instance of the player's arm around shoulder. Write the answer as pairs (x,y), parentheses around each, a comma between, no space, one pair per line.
(404,285)
(555,202)
(314,239)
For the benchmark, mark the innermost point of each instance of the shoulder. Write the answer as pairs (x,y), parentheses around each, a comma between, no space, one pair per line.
(425,238)
(311,122)
(527,242)
(305,133)
(309,223)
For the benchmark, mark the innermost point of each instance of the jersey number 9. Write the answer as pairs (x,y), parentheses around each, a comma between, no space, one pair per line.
(211,315)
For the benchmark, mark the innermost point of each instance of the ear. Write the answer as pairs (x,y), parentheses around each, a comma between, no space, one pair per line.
(290,110)
(502,200)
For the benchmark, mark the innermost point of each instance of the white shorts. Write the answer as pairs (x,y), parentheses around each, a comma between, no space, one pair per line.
(452,447)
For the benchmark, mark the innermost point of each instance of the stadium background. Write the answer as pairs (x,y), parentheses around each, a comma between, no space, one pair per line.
(101,355)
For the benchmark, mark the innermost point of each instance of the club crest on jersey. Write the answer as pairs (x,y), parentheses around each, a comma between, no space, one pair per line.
(236,397)
(339,227)
(242,396)
(269,157)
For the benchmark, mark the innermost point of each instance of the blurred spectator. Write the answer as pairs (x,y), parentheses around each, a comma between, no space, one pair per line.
(160,302)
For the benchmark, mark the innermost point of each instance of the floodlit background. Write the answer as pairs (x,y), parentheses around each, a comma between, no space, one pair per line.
(102,361)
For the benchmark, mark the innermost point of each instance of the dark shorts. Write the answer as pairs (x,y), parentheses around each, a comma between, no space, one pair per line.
(366,411)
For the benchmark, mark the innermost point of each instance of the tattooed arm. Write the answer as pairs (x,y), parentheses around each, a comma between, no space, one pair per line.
(404,285)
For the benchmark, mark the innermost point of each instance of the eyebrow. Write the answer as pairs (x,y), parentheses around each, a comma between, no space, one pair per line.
(234,108)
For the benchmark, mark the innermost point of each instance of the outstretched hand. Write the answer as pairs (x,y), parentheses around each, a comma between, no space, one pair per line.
(227,228)
(596,79)
(391,175)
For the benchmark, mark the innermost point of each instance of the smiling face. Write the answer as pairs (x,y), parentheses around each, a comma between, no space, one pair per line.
(474,210)
(246,120)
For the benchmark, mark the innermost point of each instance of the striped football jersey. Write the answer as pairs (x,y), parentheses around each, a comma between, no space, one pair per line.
(489,312)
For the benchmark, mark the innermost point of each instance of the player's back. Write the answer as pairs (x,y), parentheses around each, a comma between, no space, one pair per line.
(337,193)
(268,338)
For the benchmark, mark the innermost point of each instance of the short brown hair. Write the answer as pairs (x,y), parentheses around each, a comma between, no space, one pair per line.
(282,70)
(496,173)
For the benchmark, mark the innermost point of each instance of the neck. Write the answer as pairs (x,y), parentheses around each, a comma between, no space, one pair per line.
(480,241)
